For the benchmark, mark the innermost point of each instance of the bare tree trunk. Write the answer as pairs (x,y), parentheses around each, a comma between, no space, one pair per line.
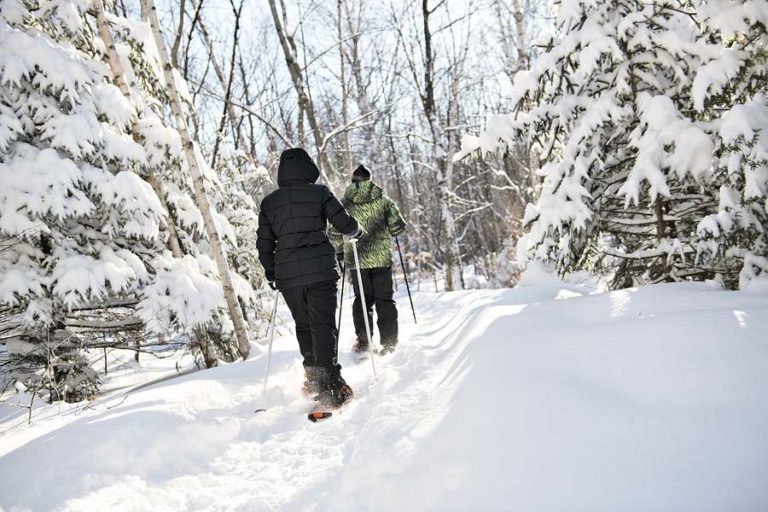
(300,133)
(395,165)
(362,97)
(306,108)
(444,169)
(504,36)
(347,158)
(187,53)
(118,74)
(453,117)
(149,12)
(207,349)
(662,268)
(234,115)
(237,11)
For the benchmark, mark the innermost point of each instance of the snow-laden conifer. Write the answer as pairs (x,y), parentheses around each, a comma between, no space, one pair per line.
(650,122)
(78,222)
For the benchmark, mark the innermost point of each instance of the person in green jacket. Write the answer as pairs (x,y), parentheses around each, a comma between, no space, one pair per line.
(380,218)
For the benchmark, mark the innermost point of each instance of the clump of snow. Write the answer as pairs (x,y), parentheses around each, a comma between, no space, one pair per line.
(38,192)
(113,105)
(712,77)
(77,278)
(661,127)
(538,273)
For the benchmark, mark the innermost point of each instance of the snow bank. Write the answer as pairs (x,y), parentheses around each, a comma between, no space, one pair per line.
(642,399)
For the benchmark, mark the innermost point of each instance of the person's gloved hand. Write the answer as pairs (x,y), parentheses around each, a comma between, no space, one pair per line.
(340,259)
(357,236)
(272,285)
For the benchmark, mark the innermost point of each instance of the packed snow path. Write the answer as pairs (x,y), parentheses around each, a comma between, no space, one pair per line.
(537,399)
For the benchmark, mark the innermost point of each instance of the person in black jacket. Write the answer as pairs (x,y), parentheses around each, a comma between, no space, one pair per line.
(299,260)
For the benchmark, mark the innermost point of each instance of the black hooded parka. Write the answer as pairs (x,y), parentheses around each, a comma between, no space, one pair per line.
(291,239)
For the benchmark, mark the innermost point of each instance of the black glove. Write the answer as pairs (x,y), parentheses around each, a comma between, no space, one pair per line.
(357,236)
(272,285)
(340,259)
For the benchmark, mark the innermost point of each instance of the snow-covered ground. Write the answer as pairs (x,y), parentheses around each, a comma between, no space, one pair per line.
(541,398)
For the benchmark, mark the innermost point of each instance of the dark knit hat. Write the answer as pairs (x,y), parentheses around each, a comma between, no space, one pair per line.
(361,174)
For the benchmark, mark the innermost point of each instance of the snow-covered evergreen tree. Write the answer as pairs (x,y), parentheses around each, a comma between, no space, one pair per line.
(730,89)
(632,107)
(231,195)
(80,224)
(238,175)
(96,203)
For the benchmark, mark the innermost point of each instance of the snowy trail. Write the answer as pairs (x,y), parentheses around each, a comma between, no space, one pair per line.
(540,398)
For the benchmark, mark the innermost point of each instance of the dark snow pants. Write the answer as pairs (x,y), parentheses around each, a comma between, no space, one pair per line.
(377,286)
(313,308)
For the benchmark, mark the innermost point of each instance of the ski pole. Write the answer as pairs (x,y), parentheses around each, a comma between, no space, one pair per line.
(362,303)
(405,277)
(271,340)
(341,298)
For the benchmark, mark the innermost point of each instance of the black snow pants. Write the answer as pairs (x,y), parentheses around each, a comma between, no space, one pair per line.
(377,286)
(313,308)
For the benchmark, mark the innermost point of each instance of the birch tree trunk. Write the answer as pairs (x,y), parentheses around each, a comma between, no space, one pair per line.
(179,33)
(149,12)
(118,74)
(522,55)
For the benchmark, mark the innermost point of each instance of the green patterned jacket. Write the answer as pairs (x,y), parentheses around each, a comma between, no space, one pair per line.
(378,215)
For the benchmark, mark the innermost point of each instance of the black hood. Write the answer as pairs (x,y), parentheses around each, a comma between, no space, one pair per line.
(296,166)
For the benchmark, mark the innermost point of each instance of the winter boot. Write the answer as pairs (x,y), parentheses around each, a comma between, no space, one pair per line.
(334,391)
(386,349)
(361,345)
(388,345)
(312,375)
